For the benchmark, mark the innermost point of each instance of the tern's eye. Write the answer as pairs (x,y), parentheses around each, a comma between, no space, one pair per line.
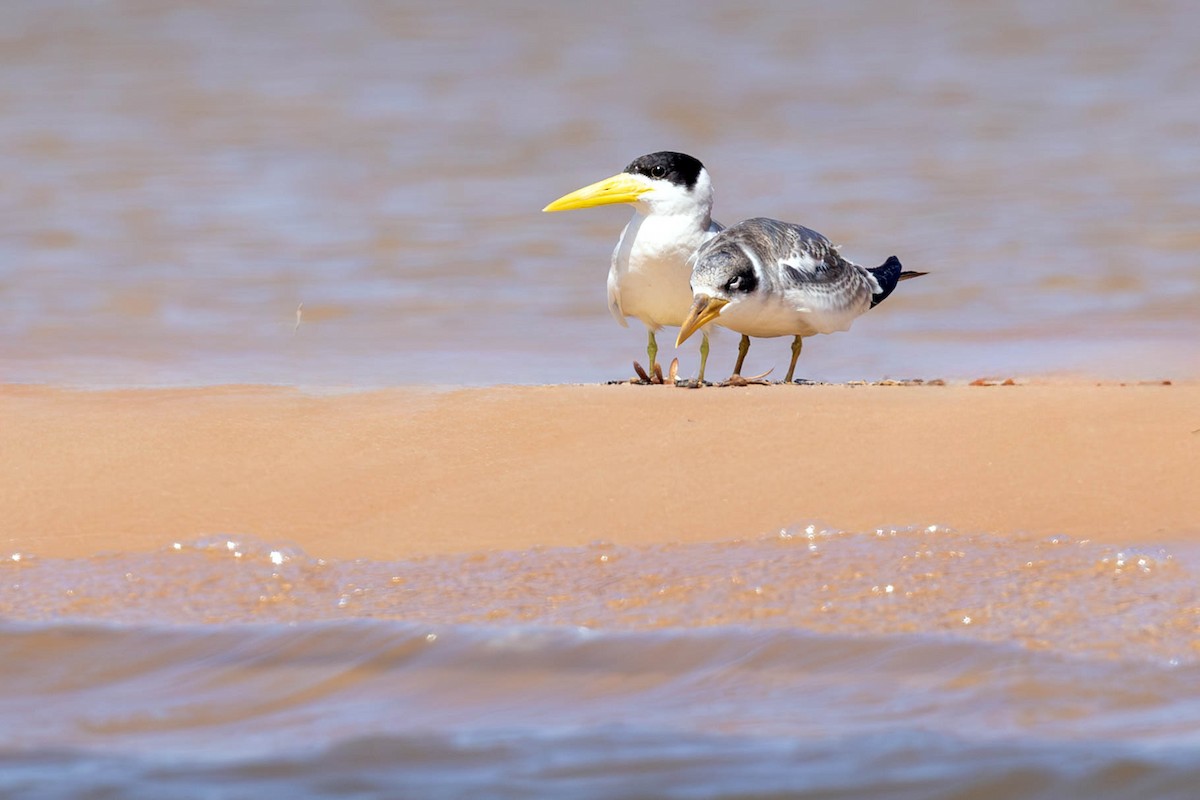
(658,171)
(743,282)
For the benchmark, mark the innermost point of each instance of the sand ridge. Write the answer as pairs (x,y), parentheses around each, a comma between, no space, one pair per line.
(414,471)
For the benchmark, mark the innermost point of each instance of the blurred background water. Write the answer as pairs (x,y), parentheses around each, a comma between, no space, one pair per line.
(177,181)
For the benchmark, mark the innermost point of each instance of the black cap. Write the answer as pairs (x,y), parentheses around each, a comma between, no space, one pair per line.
(678,168)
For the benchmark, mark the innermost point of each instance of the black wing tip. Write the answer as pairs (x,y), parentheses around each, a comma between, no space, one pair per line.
(893,264)
(888,274)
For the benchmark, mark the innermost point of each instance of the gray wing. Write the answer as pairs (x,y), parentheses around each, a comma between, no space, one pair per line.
(798,259)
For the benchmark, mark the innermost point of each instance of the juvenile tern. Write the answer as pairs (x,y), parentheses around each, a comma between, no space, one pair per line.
(672,198)
(766,278)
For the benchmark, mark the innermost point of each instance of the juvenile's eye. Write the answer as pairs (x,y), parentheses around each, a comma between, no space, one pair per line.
(744,283)
(658,171)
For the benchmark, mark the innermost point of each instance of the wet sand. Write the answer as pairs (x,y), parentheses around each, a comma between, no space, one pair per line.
(408,472)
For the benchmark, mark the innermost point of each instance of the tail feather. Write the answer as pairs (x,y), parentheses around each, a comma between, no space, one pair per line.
(888,275)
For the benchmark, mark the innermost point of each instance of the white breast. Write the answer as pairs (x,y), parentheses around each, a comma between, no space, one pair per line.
(651,270)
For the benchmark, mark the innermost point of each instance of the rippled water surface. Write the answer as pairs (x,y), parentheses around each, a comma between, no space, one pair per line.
(348,194)
(893,663)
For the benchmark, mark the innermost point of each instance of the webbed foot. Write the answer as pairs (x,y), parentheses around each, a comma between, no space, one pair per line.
(753,380)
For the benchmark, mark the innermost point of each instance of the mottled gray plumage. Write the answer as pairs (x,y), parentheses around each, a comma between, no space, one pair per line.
(766,278)
(781,279)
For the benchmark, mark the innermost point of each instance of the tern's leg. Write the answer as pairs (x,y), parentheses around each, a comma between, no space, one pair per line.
(743,348)
(655,375)
(652,352)
(736,378)
(796,345)
(703,356)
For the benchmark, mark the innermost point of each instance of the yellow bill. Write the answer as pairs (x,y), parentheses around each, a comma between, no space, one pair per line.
(623,188)
(704,310)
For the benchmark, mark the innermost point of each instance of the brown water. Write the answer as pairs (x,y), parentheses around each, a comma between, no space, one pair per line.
(179,180)
(892,663)
(347,194)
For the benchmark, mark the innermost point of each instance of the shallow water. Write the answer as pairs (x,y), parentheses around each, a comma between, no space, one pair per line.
(349,194)
(892,663)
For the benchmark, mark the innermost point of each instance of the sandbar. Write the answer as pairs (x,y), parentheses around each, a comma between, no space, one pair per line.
(409,472)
